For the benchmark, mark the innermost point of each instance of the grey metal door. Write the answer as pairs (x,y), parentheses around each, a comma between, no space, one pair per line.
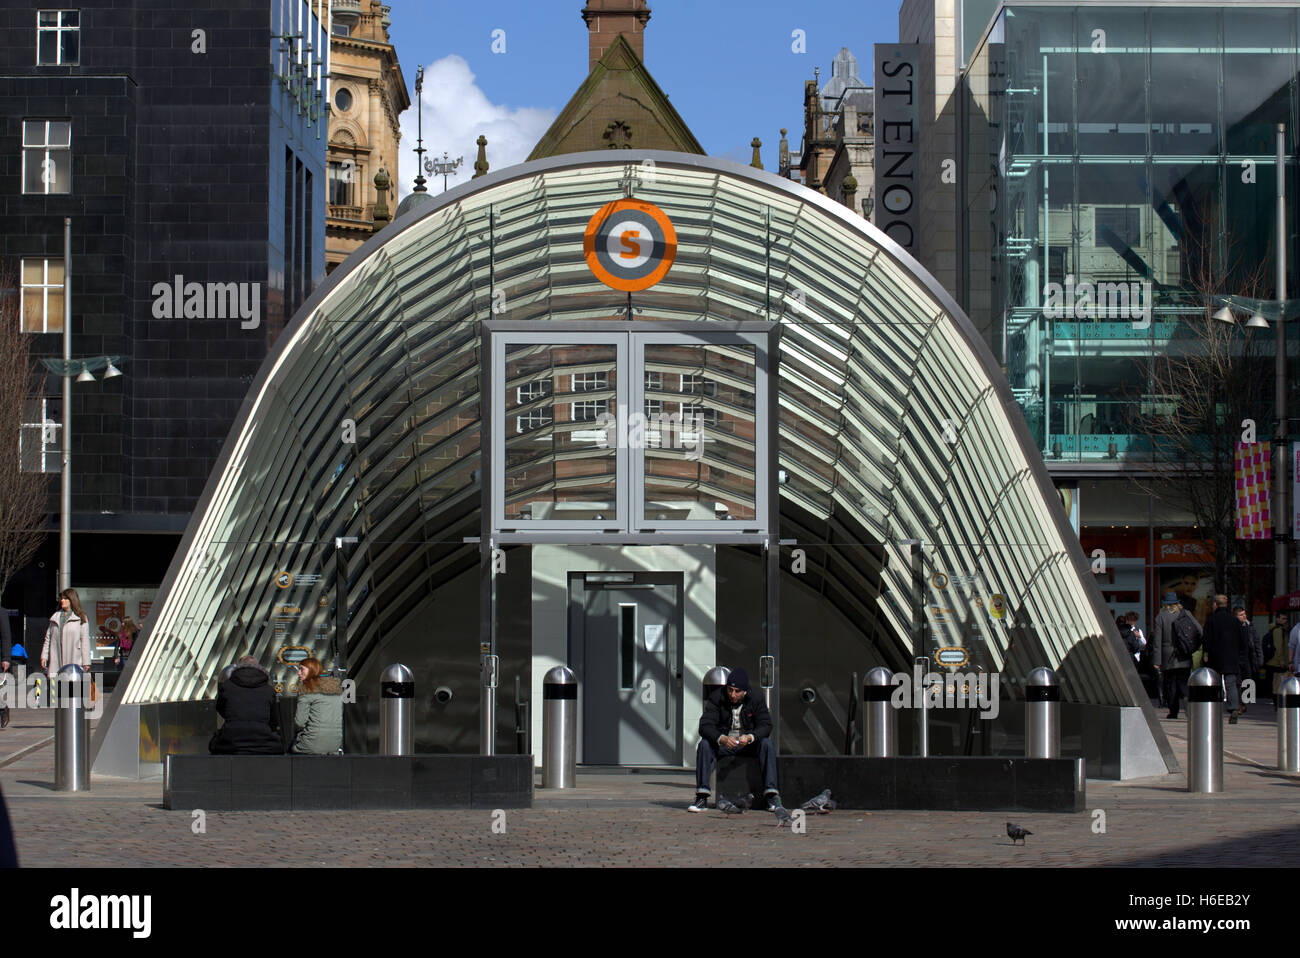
(629,664)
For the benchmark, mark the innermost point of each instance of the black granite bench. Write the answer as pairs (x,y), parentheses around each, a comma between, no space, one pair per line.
(322,782)
(947,783)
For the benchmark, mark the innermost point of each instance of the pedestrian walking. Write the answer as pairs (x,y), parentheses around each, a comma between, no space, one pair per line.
(1276,657)
(126,640)
(1221,642)
(1249,655)
(1172,666)
(67,640)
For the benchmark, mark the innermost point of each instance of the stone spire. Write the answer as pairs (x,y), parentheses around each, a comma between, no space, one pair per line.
(757,161)
(606,19)
(481,164)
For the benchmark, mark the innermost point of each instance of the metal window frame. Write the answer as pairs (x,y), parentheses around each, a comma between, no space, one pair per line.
(499,340)
(703,335)
(629,341)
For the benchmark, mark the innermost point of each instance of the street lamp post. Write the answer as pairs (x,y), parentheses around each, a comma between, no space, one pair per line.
(66,368)
(65,472)
(1281,578)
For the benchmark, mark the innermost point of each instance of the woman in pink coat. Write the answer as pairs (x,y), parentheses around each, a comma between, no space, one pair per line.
(67,640)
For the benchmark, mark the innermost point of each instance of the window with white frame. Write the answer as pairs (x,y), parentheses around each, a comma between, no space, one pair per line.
(588,410)
(42,295)
(533,391)
(698,386)
(39,449)
(533,418)
(47,156)
(58,38)
(654,382)
(694,417)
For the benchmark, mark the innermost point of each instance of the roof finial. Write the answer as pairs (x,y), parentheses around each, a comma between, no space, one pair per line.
(481,164)
(757,161)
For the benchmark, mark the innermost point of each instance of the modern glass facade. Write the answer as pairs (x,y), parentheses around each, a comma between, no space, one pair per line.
(1120,172)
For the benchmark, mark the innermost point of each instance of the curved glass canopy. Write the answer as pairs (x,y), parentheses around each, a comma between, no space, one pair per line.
(367,421)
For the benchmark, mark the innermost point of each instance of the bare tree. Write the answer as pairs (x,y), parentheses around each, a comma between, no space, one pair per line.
(23,492)
(1208,385)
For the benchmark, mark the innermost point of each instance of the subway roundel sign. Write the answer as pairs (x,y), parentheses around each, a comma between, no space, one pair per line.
(630,245)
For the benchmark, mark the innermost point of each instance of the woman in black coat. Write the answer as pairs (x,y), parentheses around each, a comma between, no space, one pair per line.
(247,702)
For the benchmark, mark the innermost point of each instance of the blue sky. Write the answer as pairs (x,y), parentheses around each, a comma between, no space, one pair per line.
(728,67)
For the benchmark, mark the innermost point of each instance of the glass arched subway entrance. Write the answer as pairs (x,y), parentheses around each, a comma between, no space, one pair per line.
(351,508)
(623,454)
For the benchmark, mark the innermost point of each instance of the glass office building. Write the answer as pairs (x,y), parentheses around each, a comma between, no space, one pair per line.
(1120,173)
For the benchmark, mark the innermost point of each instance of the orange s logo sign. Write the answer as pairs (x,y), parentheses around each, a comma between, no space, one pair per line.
(631,248)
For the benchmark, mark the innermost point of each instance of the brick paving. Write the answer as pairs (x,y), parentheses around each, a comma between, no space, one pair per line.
(638,820)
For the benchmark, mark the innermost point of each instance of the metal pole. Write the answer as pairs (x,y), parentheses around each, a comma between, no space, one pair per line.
(1205,731)
(1042,715)
(881,737)
(1281,521)
(559,728)
(1288,726)
(65,477)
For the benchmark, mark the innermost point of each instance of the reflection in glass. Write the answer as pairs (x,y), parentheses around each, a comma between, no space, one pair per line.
(559,415)
(699,461)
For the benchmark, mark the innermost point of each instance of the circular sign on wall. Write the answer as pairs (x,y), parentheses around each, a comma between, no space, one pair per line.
(630,245)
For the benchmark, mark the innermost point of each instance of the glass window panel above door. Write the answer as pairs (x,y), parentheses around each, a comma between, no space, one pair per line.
(699,462)
(559,405)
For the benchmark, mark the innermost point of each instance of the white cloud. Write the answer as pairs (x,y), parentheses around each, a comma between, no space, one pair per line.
(456,112)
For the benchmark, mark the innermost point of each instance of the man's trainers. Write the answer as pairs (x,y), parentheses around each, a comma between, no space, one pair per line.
(773,801)
(700,804)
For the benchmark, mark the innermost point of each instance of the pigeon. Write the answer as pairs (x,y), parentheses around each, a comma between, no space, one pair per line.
(730,808)
(783,817)
(1015,831)
(821,803)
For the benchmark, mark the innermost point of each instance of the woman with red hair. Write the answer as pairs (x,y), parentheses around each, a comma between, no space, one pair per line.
(319,716)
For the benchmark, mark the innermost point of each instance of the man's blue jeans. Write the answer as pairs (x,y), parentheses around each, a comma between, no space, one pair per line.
(708,753)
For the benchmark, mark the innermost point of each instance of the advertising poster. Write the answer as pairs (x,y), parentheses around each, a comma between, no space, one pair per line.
(1254,467)
(109,615)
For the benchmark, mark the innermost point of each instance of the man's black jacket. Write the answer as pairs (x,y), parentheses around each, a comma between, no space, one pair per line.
(755,720)
(1221,641)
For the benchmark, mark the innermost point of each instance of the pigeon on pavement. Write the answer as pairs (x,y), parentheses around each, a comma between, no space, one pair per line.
(820,803)
(730,808)
(1016,832)
(783,817)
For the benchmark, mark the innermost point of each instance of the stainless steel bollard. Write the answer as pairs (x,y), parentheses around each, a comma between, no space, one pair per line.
(559,728)
(881,737)
(1288,726)
(1205,731)
(71,730)
(715,678)
(396,700)
(489,666)
(923,738)
(1042,715)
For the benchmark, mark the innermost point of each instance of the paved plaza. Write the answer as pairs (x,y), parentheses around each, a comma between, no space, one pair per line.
(639,819)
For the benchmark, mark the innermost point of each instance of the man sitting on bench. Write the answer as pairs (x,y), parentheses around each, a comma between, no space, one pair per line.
(734,723)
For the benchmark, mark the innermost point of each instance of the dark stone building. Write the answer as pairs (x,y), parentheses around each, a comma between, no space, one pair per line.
(185,140)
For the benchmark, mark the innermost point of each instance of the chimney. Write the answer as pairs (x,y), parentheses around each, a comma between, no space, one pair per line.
(606,19)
